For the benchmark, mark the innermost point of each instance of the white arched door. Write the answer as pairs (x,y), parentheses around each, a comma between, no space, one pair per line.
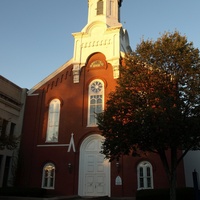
(94,170)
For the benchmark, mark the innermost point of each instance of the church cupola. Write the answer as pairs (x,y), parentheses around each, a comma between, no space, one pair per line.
(103,33)
(107,11)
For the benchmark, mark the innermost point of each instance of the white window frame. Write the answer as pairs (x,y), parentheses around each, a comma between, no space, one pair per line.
(95,93)
(48,176)
(146,177)
(53,121)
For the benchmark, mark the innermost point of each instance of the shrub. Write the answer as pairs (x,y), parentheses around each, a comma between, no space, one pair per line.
(23,192)
(158,194)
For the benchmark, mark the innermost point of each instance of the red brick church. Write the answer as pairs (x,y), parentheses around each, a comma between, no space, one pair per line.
(61,143)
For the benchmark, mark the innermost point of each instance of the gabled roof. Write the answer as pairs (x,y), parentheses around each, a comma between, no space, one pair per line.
(45,80)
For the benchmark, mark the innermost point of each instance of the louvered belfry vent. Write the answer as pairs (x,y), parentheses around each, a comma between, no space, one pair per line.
(100,7)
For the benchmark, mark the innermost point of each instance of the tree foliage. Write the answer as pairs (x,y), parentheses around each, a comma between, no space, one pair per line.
(156,104)
(8,142)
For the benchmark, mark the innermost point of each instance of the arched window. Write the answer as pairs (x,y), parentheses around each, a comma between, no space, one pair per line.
(100,7)
(53,121)
(145,175)
(95,101)
(48,176)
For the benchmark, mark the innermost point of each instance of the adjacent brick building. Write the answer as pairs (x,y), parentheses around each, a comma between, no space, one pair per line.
(12,103)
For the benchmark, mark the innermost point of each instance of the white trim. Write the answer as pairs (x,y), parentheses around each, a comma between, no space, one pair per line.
(53,145)
(52,75)
(48,186)
(71,144)
(36,94)
(144,165)
(91,93)
(81,165)
(53,123)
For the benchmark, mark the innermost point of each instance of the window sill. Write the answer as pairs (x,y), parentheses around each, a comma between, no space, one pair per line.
(48,188)
(53,145)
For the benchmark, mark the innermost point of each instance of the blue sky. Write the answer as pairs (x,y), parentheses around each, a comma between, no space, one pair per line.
(35,35)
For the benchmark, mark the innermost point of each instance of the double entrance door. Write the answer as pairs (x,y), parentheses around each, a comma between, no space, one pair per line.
(94,170)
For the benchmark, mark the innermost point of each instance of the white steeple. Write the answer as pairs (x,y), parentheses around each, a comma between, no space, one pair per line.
(102,33)
(107,11)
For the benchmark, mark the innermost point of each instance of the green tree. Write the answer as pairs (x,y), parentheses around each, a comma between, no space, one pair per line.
(156,104)
(9,142)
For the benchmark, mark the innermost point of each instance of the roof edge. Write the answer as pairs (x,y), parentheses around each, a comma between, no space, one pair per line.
(61,68)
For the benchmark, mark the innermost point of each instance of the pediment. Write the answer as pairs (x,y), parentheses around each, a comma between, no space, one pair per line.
(95,28)
(48,78)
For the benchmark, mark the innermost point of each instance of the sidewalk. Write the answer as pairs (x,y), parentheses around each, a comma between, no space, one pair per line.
(66,198)
(34,198)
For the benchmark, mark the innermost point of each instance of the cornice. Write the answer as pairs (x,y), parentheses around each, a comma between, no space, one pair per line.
(52,75)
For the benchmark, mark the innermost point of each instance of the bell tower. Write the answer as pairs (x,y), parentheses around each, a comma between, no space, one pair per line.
(107,11)
(103,33)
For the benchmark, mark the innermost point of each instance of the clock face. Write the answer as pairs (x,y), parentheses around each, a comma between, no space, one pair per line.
(96,86)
